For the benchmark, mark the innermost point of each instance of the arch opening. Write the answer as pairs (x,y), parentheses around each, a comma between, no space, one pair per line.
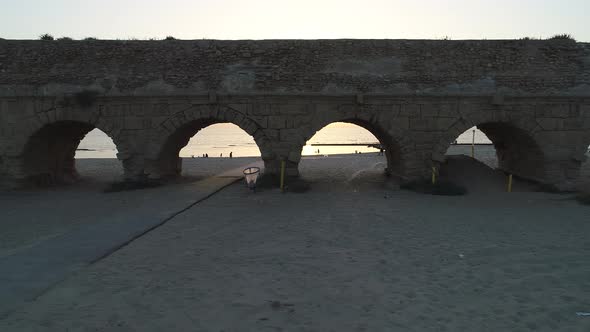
(583,181)
(350,152)
(517,151)
(199,141)
(474,143)
(96,145)
(50,155)
(500,146)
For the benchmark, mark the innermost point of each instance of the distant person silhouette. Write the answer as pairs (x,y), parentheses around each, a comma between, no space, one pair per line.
(206,155)
(231,155)
(220,155)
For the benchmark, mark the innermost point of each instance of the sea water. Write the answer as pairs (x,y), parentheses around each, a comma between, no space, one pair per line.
(221,139)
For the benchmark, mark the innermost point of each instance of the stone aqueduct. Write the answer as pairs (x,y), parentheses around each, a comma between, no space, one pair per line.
(531,98)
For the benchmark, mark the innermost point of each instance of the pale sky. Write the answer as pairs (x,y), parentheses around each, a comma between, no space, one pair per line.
(304,19)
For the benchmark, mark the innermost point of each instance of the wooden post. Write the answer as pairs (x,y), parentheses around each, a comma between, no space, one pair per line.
(283,164)
(473,145)
(433,175)
(509,189)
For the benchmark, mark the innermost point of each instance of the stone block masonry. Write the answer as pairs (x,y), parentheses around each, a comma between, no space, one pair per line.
(531,98)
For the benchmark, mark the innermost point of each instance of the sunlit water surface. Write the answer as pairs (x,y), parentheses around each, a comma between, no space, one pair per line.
(221,139)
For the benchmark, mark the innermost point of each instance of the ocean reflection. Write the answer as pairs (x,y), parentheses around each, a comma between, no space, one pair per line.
(221,139)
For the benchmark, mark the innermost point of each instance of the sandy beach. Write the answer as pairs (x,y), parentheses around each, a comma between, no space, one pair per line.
(31,216)
(354,253)
(294,166)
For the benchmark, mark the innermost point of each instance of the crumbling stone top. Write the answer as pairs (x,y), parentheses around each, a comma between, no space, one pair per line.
(325,67)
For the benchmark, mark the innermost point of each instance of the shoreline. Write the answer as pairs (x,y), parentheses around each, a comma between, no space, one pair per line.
(109,169)
(112,153)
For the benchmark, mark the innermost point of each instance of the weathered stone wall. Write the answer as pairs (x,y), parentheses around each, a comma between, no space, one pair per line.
(532,99)
(295,66)
(542,139)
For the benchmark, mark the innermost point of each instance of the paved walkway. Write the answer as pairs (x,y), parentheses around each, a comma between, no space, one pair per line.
(28,273)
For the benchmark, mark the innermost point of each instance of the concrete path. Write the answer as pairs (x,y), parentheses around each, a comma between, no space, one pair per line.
(26,274)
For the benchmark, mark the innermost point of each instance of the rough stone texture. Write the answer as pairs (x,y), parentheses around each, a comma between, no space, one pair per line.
(294,66)
(532,99)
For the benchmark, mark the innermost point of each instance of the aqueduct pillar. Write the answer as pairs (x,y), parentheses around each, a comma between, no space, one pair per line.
(531,97)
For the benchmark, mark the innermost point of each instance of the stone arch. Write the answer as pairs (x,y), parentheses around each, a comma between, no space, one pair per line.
(172,134)
(581,150)
(515,140)
(582,173)
(571,159)
(44,151)
(402,160)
